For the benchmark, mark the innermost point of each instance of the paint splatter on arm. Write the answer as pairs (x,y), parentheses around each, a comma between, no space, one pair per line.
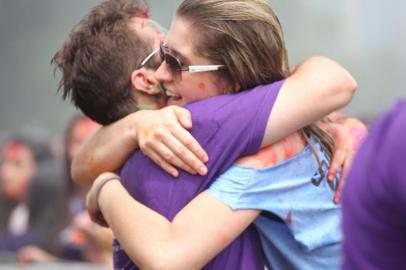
(275,153)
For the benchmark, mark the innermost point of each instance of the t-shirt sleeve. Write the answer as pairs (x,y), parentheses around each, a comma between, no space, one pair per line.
(239,120)
(231,126)
(242,188)
(286,185)
(391,146)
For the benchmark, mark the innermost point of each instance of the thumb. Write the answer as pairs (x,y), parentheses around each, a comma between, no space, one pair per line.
(184,117)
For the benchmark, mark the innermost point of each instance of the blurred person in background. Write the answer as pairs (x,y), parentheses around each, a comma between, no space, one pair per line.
(78,130)
(374,199)
(80,239)
(83,239)
(31,189)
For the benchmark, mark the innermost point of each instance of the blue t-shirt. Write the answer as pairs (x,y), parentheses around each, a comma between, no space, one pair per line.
(306,233)
(227,127)
(374,198)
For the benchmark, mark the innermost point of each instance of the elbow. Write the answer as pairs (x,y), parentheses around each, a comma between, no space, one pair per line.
(166,260)
(342,84)
(349,86)
(346,91)
(169,264)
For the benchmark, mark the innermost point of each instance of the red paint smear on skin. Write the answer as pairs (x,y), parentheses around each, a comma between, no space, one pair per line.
(268,156)
(202,87)
(288,148)
(289,218)
(13,150)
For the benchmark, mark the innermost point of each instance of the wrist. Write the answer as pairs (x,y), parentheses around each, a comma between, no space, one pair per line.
(93,199)
(107,192)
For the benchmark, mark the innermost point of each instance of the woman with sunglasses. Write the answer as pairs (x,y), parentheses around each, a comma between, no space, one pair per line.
(178,73)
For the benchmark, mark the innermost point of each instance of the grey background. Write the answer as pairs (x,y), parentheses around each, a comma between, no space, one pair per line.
(366,36)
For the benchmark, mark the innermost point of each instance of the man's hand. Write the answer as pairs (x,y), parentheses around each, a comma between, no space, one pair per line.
(162,136)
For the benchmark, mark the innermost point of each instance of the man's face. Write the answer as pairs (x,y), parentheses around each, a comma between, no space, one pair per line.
(148,30)
(153,33)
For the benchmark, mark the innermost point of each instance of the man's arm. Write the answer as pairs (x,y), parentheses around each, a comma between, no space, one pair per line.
(163,130)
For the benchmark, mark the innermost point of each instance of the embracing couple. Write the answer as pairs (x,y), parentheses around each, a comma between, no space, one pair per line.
(258,166)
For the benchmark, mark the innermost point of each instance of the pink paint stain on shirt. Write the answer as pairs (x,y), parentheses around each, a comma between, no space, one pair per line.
(288,218)
(359,134)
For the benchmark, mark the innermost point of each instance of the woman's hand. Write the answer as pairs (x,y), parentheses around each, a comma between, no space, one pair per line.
(163,137)
(348,134)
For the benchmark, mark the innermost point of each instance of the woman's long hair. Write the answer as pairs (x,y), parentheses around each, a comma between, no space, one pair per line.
(246,37)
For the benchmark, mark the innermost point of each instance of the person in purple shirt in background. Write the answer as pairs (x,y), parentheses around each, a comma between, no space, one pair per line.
(374,200)
(241,117)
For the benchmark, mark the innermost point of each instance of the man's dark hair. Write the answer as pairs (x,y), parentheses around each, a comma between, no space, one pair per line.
(97,60)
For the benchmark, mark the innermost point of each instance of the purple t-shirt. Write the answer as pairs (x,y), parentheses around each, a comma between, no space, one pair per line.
(374,202)
(227,127)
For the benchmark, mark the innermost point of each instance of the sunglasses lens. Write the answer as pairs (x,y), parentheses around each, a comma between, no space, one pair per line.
(172,62)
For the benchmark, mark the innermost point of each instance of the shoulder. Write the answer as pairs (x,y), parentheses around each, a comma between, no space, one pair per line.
(238,101)
(387,133)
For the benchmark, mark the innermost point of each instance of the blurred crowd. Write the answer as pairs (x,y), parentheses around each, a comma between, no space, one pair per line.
(42,212)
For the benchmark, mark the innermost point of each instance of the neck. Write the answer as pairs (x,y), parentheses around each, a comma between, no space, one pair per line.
(149,102)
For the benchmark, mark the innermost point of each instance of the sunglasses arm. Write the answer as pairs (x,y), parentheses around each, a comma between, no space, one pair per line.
(193,69)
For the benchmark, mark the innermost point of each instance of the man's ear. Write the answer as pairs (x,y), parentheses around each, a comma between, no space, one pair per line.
(144,81)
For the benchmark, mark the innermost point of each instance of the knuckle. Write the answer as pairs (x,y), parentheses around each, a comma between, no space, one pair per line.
(148,143)
(180,151)
(159,134)
(188,143)
(169,124)
(168,157)
(142,145)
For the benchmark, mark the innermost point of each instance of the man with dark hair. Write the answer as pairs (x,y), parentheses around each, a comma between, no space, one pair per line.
(100,57)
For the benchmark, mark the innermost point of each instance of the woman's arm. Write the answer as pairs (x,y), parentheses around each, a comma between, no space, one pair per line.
(153,242)
(317,87)
(198,233)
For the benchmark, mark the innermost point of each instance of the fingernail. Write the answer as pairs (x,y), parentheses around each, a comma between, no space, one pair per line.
(205,158)
(202,170)
(175,173)
(330,175)
(187,121)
